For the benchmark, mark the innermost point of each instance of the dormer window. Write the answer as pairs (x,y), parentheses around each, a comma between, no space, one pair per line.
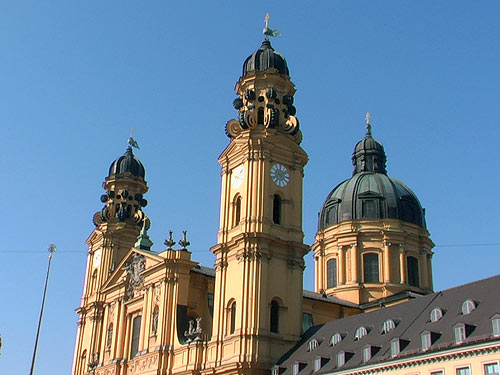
(428,338)
(388,326)
(319,362)
(395,348)
(369,351)
(495,325)
(298,367)
(397,345)
(468,306)
(436,314)
(459,334)
(360,333)
(462,331)
(335,339)
(425,339)
(343,357)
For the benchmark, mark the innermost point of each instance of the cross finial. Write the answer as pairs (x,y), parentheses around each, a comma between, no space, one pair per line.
(131,141)
(368,125)
(268,31)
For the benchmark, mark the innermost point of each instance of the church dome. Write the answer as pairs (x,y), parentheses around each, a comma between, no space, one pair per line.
(370,193)
(265,58)
(127,163)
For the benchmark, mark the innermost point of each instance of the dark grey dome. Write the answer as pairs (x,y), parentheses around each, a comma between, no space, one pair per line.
(370,193)
(265,58)
(127,163)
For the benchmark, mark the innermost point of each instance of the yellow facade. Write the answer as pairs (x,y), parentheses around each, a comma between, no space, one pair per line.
(146,313)
(157,313)
(393,241)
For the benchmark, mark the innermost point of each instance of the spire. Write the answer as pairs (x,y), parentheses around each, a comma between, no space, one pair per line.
(368,125)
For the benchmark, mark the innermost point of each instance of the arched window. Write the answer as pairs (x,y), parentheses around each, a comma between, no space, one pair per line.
(277,209)
(331,273)
(312,345)
(388,326)
(335,339)
(136,331)
(231,314)
(370,268)
(360,333)
(275,316)
(412,264)
(468,306)
(436,314)
(237,211)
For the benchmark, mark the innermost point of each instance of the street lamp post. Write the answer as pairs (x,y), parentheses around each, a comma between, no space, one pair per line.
(52,249)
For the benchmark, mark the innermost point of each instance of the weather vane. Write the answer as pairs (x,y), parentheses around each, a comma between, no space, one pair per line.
(268,31)
(131,141)
(368,125)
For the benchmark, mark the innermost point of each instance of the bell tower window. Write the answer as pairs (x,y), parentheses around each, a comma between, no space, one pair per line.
(275,316)
(277,209)
(231,315)
(237,211)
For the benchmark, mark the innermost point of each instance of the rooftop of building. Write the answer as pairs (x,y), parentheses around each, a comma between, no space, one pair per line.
(453,318)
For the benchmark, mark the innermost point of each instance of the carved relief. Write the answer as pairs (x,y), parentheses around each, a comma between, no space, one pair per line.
(134,267)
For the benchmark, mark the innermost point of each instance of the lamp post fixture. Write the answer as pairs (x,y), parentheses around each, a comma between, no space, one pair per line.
(52,249)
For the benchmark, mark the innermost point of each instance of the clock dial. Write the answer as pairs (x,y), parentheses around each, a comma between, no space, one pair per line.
(237,176)
(280,175)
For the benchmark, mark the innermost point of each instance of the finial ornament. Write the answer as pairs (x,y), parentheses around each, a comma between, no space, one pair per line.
(131,141)
(184,242)
(368,125)
(268,31)
(169,242)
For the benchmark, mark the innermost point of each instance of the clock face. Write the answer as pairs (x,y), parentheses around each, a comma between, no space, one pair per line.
(237,176)
(280,175)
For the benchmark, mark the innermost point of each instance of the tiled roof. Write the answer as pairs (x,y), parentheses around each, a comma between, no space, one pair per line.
(411,319)
(323,297)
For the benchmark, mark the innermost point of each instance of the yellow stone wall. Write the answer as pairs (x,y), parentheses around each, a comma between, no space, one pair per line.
(392,240)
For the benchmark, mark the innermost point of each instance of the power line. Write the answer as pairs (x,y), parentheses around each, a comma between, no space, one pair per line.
(203,251)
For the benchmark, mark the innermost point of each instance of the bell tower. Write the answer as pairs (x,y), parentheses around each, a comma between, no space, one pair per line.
(117,227)
(260,250)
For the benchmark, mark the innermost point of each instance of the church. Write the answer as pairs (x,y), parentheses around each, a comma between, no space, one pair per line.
(151,311)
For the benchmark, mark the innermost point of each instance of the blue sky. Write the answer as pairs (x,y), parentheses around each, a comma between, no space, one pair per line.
(74,77)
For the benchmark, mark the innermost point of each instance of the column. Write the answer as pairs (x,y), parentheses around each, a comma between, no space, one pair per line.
(387,262)
(402,263)
(424,284)
(355,263)
(342,278)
